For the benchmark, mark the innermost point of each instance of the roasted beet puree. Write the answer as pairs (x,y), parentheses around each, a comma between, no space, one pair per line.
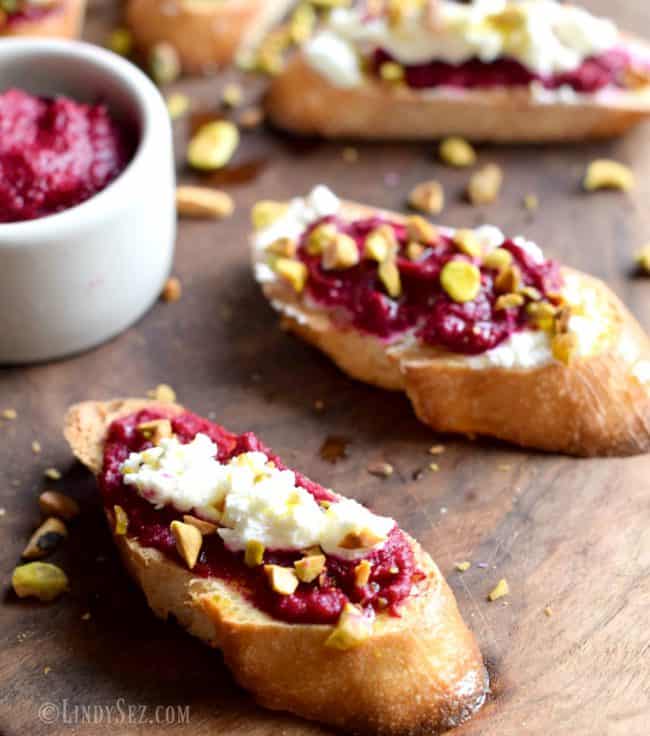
(393,567)
(470,328)
(55,154)
(592,75)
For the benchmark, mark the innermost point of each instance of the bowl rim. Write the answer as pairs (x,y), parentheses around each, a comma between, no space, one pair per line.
(150,105)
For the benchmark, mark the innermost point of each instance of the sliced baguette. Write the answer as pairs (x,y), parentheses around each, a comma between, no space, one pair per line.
(65,21)
(594,406)
(206,34)
(417,673)
(303,101)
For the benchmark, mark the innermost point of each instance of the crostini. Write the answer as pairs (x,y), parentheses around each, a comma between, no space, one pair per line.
(308,594)
(484,334)
(207,34)
(45,18)
(495,70)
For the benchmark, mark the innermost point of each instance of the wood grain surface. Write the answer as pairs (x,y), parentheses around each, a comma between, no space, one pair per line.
(572,535)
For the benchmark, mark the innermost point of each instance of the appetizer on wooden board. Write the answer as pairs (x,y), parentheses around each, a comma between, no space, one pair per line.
(207,34)
(495,70)
(46,18)
(484,334)
(320,607)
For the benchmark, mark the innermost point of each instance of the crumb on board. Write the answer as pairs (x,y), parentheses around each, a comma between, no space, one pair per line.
(463,566)
(52,474)
(500,590)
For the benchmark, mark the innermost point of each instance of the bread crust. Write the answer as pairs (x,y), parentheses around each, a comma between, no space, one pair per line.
(65,22)
(206,35)
(596,406)
(417,674)
(376,110)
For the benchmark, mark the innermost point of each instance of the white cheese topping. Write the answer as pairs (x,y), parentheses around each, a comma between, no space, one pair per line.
(249,497)
(545,36)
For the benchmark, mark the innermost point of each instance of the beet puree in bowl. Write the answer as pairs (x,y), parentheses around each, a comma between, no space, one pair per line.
(87,189)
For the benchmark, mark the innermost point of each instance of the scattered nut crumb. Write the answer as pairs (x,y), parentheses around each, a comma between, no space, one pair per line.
(213,146)
(162,392)
(58,504)
(9,414)
(463,566)
(47,670)
(504,467)
(434,467)
(164,63)
(350,155)
(608,174)
(3,511)
(41,580)
(86,616)
(548,611)
(428,197)
(485,185)
(177,105)
(319,405)
(172,290)
(436,449)
(381,469)
(36,447)
(203,202)
(120,41)
(52,474)
(457,152)
(251,117)
(500,590)
(642,258)
(232,95)
(531,202)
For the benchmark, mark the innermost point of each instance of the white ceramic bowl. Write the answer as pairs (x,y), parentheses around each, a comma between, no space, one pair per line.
(73,280)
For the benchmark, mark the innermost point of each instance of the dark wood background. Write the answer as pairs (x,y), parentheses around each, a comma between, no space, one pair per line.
(570,534)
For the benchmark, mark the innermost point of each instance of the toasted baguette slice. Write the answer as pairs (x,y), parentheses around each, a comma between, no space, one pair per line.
(596,405)
(303,101)
(207,35)
(416,674)
(65,21)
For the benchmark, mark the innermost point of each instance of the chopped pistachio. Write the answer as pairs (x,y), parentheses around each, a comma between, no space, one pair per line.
(155,430)
(45,539)
(188,541)
(498,259)
(283,580)
(485,185)
(389,275)
(530,292)
(508,301)
(500,590)
(542,315)
(310,567)
(285,247)
(40,580)
(391,71)
(164,63)
(295,272)
(548,611)
(163,393)
(607,174)
(508,280)
(120,41)
(467,241)
(52,474)
(9,414)
(434,467)
(463,566)
(421,230)
(232,95)
(203,202)
(642,258)
(352,629)
(428,197)
(564,347)
(362,539)
(381,469)
(213,145)
(266,212)
(36,447)
(205,527)
(121,521)
(362,573)
(302,23)
(254,553)
(380,244)
(531,202)
(340,253)
(58,504)
(457,152)
(320,237)
(414,250)
(461,280)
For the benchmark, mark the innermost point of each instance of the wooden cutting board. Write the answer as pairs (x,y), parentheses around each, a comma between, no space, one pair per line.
(572,535)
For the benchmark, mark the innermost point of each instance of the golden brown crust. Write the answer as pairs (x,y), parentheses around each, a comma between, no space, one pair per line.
(377,111)
(417,674)
(206,35)
(65,22)
(594,406)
